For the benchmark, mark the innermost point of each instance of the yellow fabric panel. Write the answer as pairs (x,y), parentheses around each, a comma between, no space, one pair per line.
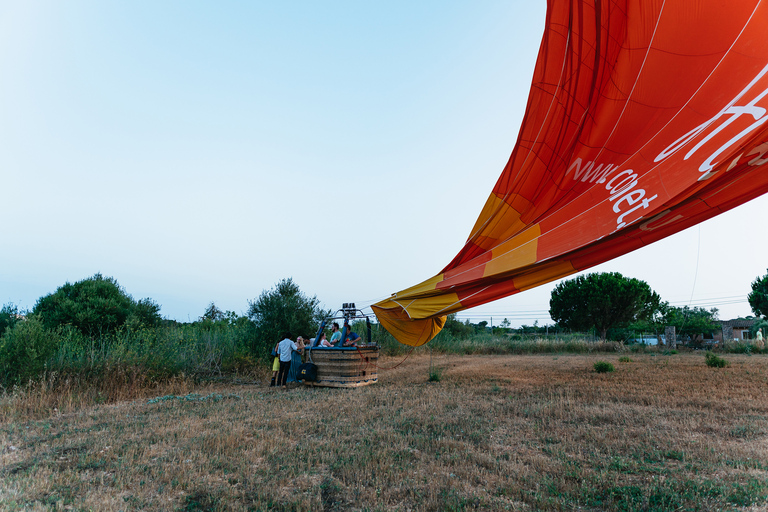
(409,332)
(429,306)
(415,307)
(424,287)
(514,254)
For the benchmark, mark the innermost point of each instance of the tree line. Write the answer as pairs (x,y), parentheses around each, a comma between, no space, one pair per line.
(93,327)
(615,305)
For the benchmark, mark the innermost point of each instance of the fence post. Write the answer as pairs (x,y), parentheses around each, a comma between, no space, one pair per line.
(669,334)
(727,334)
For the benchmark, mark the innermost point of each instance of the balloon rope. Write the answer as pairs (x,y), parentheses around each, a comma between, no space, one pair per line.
(696,274)
(693,288)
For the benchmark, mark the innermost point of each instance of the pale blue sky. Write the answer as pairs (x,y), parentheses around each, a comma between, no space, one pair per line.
(201,151)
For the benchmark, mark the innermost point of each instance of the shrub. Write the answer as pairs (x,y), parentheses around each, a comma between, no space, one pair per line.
(457,328)
(625,359)
(25,351)
(95,306)
(739,348)
(284,308)
(9,316)
(714,361)
(603,367)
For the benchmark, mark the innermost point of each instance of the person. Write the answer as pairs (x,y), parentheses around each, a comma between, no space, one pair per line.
(284,349)
(323,341)
(759,339)
(352,339)
(336,334)
(296,361)
(275,366)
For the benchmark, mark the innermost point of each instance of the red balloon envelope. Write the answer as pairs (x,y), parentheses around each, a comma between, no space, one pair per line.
(645,117)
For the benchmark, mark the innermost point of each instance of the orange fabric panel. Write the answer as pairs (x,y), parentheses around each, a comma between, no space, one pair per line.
(644,118)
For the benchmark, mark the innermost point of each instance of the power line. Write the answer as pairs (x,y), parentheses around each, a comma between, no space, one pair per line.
(535,314)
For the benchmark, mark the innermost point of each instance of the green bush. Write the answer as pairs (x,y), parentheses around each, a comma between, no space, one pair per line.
(283,308)
(25,351)
(435,374)
(8,317)
(96,306)
(457,328)
(486,343)
(603,367)
(625,359)
(199,350)
(739,348)
(714,361)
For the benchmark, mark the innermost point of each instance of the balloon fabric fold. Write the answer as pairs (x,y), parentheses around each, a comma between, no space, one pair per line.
(644,118)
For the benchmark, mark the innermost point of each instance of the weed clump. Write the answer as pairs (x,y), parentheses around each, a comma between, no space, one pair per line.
(625,359)
(603,367)
(435,374)
(714,361)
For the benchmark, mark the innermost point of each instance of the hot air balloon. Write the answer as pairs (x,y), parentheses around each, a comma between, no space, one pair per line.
(644,118)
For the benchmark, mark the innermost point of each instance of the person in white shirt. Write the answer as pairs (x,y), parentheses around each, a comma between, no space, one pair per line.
(284,349)
(323,341)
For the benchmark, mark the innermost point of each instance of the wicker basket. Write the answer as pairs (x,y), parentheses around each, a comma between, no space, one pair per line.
(345,367)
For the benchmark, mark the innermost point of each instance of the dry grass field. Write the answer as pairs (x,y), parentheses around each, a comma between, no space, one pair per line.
(662,432)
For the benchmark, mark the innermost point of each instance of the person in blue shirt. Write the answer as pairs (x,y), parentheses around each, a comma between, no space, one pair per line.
(352,339)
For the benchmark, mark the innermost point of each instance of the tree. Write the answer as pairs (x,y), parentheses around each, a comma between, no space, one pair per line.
(284,308)
(482,326)
(603,301)
(692,322)
(9,315)
(146,313)
(758,298)
(212,313)
(458,328)
(759,324)
(95,306)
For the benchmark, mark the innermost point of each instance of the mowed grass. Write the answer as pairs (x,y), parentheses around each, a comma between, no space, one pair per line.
(530,432)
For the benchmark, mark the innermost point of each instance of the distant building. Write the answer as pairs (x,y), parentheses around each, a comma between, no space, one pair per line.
(736,329)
